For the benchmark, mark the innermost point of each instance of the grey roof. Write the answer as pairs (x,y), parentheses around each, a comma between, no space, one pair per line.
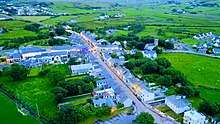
(178,101)
(65,47)
(216,50)
(14,55)
(107,101)
(29,49)
(151,52)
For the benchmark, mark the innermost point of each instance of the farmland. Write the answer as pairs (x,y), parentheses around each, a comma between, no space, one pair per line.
(201,71)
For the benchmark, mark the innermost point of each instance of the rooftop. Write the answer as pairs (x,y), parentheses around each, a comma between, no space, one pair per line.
(178,101)
(30,49)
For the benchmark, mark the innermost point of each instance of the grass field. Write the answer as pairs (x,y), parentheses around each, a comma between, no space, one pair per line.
(13,24)
(36,90)
(32,18)
(203,72)
(56,20)
(20,33)
(10,115)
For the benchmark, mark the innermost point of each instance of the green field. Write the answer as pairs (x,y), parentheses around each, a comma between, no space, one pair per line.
(203,72)
(16,34)
(10,115)
(56,20)
(33,18)
(36,90)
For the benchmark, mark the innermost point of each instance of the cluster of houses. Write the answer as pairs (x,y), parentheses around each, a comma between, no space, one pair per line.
(207,40)
(180,105)
(32,56)
(106,92)
(105,16)
(116,64)
(26,10)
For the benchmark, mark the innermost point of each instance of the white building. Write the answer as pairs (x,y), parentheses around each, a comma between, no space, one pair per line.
(194,117)
(146,95)
(82,68)
(178,104)
(106,93)
(151,54)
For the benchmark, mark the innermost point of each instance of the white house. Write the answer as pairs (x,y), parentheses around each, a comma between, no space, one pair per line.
(106,93)
(102,83)
(178,104)
(82,68)
(151,54)
(194,117)
(146,95)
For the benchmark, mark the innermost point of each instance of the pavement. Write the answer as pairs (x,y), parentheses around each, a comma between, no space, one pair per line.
(140,107)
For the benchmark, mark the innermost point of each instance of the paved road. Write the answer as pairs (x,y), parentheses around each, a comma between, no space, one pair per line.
(140,107)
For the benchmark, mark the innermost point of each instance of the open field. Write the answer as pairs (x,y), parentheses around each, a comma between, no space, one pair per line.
(33,18)
(17,34)
(56,20)
(36,90)
(13,24)
(202,72)
(68,7)
(10,115)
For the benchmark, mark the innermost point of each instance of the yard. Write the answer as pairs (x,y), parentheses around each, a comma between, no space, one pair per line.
(10,115)
(36,90)
(202,72)
(168,111)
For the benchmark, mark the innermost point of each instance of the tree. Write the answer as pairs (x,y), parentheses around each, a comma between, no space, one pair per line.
(32,27)
(208,108)
(73,61)
(188,91)
(150,67)
(144,118)
(177,76)
(60,93)
(163,62)
(165,80)
(68,115)
(17,72)
(54,42)
(55,77)
(138,55)
(60,30)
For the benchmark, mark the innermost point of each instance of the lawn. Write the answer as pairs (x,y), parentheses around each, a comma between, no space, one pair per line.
(78,100)
(33,18)
(190,41)
(203,72)
(36,90)
(168,111)
(10,115)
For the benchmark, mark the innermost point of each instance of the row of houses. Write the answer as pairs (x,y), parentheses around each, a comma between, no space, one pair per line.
(105,93)
(32,56)
(180,105)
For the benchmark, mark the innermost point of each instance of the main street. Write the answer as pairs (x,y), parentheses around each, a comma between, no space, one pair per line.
(140,107)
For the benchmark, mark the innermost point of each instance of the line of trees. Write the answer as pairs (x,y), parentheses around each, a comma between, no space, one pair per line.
(161,72)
